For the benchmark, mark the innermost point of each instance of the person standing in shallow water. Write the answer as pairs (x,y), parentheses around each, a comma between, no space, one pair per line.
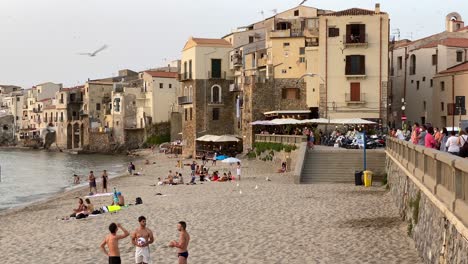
(105,178)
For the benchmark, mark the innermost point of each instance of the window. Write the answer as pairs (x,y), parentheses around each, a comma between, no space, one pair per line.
(432,82)
(442,106)
(296,12)
(301,51)
(291,93)
(356,33)
(283,26)
(161,85)
(17,99)
(215,113)
(434,59)
(302,60)
(216,94)
(170,85)
(424,79)
(216,68)
(283,71)
(285,44)
(190,70)
(460,105)
(459,56)
(98,107)
(185,70)
(61,116)
(185,112)
(355,65)
(442,86)
(417,85)
(333,32)
(412,65)
(400,62)
(191,113)
(251,39)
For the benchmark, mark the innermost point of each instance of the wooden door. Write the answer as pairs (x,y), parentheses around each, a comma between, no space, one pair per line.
(355,92)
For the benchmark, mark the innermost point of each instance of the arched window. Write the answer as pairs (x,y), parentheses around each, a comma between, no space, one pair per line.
(413,64)
(216,94)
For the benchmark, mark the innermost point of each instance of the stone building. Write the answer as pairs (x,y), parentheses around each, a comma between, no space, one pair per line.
(207,105)
(413,66)
(353,63)
(160,90)
(68,121)
(7,131)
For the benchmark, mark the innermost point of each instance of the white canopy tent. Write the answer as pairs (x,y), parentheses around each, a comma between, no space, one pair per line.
(213,138)
(289,121)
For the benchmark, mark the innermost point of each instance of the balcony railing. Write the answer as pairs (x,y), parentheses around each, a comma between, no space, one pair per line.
(234,87)
(184,100)
(237,60)
(281,33)
(222,75)
(412,70)
(359,40)
(353,99)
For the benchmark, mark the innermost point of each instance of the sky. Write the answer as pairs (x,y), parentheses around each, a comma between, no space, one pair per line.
(40,39)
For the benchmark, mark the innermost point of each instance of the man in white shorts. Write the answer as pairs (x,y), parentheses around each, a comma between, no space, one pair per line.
(142,252)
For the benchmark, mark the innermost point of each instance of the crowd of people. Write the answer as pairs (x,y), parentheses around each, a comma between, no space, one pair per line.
(453,142)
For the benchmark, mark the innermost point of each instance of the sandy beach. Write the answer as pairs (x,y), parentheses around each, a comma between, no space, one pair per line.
(279,222)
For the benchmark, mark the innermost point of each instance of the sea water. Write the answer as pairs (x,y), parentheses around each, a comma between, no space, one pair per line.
(32,175)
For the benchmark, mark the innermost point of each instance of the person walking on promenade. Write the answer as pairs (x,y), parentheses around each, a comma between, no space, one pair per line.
(429,140)
(142,238)
(444,139)
(105,178)
(415,133)
(112,242)
(182,244)
(463,143)
(92,182)
(422,135)
(452,144)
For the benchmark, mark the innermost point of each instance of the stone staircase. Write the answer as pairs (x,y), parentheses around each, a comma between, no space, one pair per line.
(332,165)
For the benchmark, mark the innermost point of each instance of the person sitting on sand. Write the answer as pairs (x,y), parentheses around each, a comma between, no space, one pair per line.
(215,176)
(229,175)
(224,178)
(81,208)
(120,199)
(147,162)
(90,207)
(283,168)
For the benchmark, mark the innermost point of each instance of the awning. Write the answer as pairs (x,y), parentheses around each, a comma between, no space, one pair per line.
(213,138)
(287,112)
(290,121)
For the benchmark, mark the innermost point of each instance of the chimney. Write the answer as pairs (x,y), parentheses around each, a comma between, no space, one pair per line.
(377,8)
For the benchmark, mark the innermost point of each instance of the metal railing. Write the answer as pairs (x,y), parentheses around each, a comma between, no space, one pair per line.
(284,139)
(349,98)
(443,174)
(222,75)
(351,40)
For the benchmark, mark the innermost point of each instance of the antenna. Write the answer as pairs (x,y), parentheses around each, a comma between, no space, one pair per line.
(262,13)
(396,32)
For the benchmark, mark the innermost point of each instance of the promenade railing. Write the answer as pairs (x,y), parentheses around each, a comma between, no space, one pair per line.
(444,174)
(285,139)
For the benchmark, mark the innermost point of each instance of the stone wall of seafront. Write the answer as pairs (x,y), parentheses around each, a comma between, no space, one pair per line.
(439,230)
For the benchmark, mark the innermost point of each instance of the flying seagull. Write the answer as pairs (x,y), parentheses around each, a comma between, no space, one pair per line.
(303,1)
(95,52)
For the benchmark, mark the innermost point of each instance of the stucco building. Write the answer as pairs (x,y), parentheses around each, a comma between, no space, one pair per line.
(413,66)
(353,62)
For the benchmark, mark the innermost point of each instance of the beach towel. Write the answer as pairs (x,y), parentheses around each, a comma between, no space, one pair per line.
(98,195)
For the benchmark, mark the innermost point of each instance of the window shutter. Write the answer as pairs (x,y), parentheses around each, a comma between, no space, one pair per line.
(362,64)
(283,93)
(362,33)
(348,33)
(348,65)
(298,94)
(450,109)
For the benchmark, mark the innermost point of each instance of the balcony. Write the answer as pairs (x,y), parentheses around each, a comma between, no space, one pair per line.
(182,100)
(350,40)
(355,75)
(286,33)
(184,76)
(221,75)
(234,87)
(237,60)
(262,62)
(355,98)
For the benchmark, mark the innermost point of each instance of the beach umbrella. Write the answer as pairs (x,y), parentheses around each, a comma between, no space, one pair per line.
(221,157)
(230,160)
(225,138)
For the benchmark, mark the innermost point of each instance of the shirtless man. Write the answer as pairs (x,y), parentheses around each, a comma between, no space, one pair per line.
(112,242)
(182,245)
(142,252)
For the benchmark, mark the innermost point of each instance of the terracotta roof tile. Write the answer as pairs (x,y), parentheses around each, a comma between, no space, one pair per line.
(193,42)
(161,74)
(449,42)
(353,12)
(457,68)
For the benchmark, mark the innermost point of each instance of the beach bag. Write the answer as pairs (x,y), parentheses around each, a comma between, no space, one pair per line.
(464,148)
(138,200)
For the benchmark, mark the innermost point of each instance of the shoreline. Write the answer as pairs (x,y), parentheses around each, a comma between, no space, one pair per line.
(69,190)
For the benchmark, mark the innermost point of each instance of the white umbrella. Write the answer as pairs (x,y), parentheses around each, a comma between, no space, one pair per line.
(230,160)
(206,138)
(315,121)
(225,138)
(285,121)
